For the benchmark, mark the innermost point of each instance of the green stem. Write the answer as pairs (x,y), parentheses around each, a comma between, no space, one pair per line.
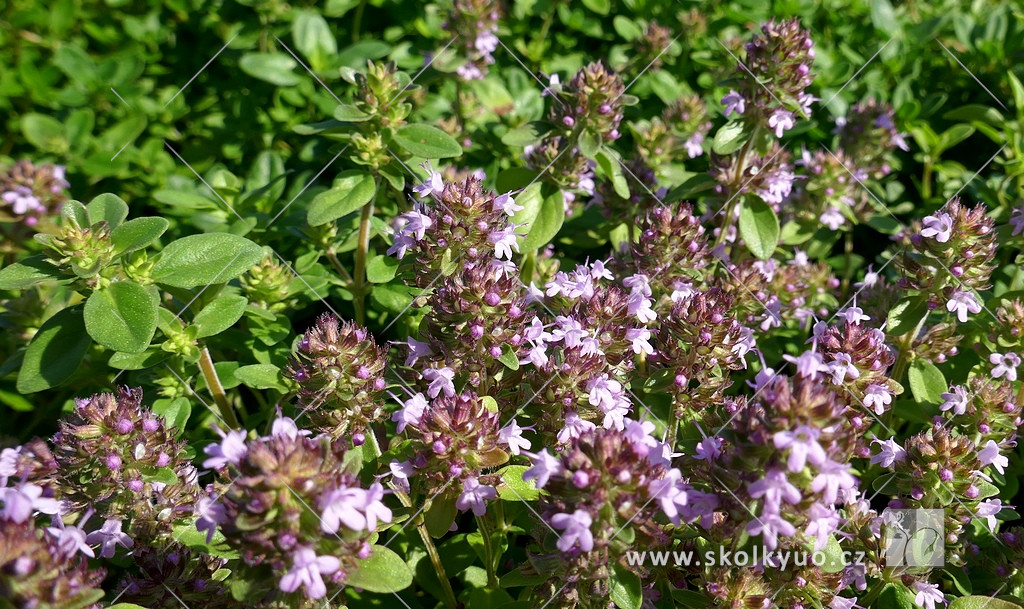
(359,273)
(906,343)
(735,186)
(485,533)
(357,20)
(332,256)
(227,414)
(529,262)
(926,180)
(848,269)
(435,558)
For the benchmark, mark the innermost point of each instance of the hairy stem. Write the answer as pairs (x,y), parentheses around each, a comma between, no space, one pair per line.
(489,557)
(227,414)
(359,273)
(435,558)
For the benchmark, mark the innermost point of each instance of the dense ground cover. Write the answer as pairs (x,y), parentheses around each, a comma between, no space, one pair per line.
(470,304)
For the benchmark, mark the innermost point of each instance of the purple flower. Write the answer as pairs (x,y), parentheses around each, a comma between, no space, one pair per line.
(9,462)
(693,145)
(803,446)
(22,500)
(70,540)
(641,340)
(286,427)
(512,434)
(854,315)
(963,303)
(877,397)
(506,204)
(545,465)
(504,241)
(638,433)
(440,380)
(770,525)
(822,522)
(842,367)
(411,412)
(781,121)
(211,514)
(475,495)
(775,488)
(956,400)
(606,393)
(417,349)
(109,536)
(889,453)
(832,218)
(374,508)
(343,506)
(709,449)
(808,363)
(574,427)
(989,455)
(671,494)
(1017,220)
(231,449)
(831,478)
(576,528)
(640,306)
(988,509)
(733,102)
(307,569)
(400,472)
(1004,364)
(928,595)
(432,185)
(939,226)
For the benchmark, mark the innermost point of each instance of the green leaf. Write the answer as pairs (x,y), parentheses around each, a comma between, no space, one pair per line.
(219,315)
(55,351)
(926,382)
(759,227)
(352,189)
(524,135)
(138,233)
(601,7)
(546,225)
(260,376)
(427,142)
(626,589)
(108,207)
(174,411)
(513,487)
(122,316)
(896,596)
(730,137)
(74,213)
(17,401)
(44,132)
(383,571)
(589,143)
(201,260)
(347,113)
(27,273)
(313,36)
(906,314)
(981,602)
(509,357)
(188,535)
(438,518)
(275,68)
(608,166)
(381,269)
(138,361)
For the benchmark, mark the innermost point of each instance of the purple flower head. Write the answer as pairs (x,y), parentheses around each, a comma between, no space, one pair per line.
(1004,365)
(504,241)
(877,397)
(889,453)
(506,204)
(822,522)
(781,121)
(939,226)
(808,363)
(803,446)
(842,368)
(733,102)
(474,496)
(709,449)
(70,540)
(400,472)
(574,427)
(307,571)
(21,501)
(441,379)
(433,185)
(927,595)
(989,455)
(671,494)
(956,400)
(576,527)
(411,412)
(211,514)
(771,525)
(109,536)
(775,487)
(231,449)
(286,427)
(512,434)
(963,303)
(832,478)
(544,466)
(343,506)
